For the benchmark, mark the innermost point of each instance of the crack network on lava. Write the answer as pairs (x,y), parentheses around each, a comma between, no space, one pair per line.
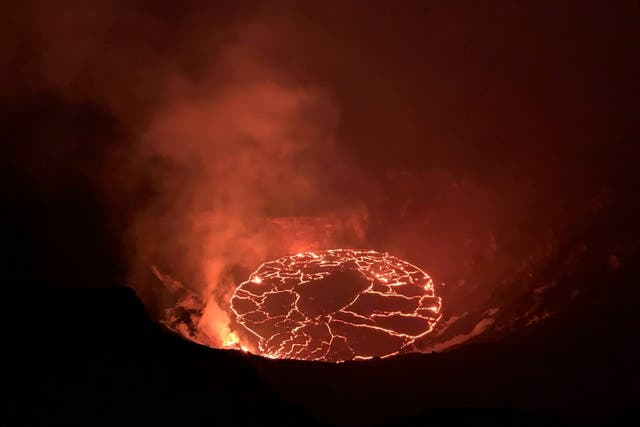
(336,305)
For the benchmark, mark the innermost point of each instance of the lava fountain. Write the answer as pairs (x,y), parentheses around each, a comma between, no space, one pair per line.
(336,305)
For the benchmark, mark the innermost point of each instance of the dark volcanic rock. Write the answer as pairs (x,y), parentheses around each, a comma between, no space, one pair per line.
(92,357)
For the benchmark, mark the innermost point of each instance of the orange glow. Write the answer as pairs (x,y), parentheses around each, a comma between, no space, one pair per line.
(395,306)
(230,339)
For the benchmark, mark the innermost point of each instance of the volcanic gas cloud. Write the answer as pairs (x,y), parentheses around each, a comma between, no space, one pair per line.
(336,305)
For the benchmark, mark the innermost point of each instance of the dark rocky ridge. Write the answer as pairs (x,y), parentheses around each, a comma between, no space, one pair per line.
(93,357)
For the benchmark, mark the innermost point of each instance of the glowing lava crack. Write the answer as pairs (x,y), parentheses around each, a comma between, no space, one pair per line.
(336,305)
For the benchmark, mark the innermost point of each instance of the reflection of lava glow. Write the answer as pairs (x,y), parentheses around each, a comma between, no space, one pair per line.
(336,305)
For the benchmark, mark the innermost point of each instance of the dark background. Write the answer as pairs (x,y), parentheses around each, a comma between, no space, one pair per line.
(494,143)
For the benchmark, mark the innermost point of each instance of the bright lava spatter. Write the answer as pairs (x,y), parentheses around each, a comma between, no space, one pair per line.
(336,305)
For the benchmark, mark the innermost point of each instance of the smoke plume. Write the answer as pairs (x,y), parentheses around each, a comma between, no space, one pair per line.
(243,166)
(174,146)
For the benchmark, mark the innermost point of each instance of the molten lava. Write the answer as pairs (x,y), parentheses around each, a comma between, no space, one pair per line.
(336,305)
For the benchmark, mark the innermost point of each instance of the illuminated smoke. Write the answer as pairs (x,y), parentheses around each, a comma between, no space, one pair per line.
(244,168)
(223,145)
(336,305)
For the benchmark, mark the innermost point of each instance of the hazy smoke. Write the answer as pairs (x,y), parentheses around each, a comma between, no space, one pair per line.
(209,138)
(227,156)
(242,165)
